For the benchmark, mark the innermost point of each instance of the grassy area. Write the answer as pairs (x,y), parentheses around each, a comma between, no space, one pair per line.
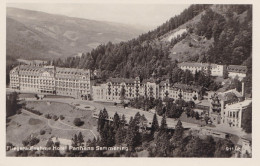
(25,124)
(58,96)
(27,95)
(54,108)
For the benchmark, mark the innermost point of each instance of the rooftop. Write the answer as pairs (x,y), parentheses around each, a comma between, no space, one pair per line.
(237,68)
(195,64)
(230,94)
(242,104)
(204,103)
(120,80)
(187,87)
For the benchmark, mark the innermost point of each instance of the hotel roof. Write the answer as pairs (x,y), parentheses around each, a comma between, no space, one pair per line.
(121,80)
(187,87)
(237,69)
(196,64)
(229,95)
(242,104)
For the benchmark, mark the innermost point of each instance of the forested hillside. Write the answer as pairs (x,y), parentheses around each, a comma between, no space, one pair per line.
(225,29)
(138,57)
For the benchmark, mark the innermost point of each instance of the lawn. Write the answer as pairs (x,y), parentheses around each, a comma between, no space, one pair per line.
(21,126)
(68,111)
(27,95)
(56,108)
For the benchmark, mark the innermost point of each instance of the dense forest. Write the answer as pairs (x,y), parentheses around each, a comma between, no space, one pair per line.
(229,25)
(137,57)
(156,142)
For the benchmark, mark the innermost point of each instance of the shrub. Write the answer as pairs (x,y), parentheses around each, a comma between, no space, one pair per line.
(34,111)
(55,117)
(25,142)
(48,116)
(78,122)
(62,117)
(42,132)
(34,141)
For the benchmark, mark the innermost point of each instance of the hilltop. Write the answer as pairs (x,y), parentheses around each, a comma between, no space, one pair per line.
(39,35)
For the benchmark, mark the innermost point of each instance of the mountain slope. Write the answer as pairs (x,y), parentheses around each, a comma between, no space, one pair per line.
(38,35)
(201,33)
(199,36)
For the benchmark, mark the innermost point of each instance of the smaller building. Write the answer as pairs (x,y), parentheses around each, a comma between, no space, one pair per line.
(219,101)
(234,112)
(215,69)
(237,71)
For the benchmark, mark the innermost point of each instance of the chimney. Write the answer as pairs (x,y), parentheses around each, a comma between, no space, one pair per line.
(243,89)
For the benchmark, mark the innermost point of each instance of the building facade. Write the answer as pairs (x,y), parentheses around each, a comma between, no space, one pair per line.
(237,71)
(118,89)
(51,80)
(228,107)
(215,69)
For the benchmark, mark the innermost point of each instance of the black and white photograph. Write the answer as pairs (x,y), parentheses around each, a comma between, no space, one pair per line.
(147,80)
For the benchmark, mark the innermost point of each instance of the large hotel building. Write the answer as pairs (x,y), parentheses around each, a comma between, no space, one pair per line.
(111,91)
(51,80)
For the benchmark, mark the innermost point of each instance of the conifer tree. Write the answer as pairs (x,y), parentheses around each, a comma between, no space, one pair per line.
(116,122)
(75,140)
(120,136)
(178,134)
(163,127)
(80,138)
(155,125)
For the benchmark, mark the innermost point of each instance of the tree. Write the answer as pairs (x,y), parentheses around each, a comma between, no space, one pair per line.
(162,144)
(159,108)
(111,137)
(78,122)
(123,121)
(131,135)
(209,146)
(163,126)
(12,105)
(75,140)
(102,118)
(197,116)
(155,125)
(224,148)
(105,134)
(120,135)
(122,94)
(80,138)
(193,148)
(52,152)
(116,122)
(178,134)
(247,119)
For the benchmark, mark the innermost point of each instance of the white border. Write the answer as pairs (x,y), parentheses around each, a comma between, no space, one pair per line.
(4,161)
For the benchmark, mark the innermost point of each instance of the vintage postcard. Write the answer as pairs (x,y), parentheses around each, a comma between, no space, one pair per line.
(150,80)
